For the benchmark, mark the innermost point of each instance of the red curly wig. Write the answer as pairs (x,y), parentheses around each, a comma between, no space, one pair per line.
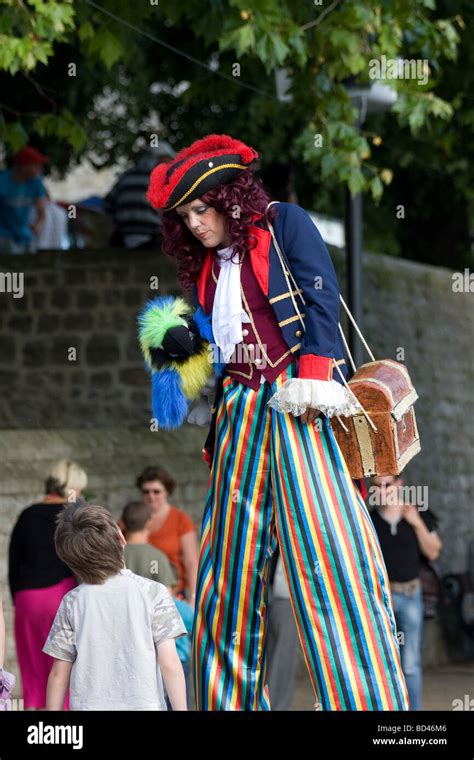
(245,192)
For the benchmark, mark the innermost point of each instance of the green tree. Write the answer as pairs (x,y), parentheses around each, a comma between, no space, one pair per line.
(102,87)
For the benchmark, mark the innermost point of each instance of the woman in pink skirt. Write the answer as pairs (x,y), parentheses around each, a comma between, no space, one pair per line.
(38,579)
(7,680)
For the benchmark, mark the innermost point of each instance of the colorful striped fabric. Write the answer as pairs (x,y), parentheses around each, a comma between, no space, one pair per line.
(277,479)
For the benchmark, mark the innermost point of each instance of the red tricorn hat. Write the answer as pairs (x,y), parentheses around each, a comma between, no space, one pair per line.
(211,161)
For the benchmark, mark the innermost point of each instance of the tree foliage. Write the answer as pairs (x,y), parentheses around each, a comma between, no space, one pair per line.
(102,77)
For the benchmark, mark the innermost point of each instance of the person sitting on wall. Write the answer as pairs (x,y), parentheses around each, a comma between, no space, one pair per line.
(22,189)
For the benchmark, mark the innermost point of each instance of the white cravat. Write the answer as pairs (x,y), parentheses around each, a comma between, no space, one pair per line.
(228,313)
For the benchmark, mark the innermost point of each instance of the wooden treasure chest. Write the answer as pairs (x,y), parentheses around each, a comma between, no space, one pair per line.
(386,393)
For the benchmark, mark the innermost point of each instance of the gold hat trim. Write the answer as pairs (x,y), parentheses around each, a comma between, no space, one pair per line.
(203,176)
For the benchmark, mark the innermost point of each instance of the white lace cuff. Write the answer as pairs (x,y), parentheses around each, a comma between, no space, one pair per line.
(330,397)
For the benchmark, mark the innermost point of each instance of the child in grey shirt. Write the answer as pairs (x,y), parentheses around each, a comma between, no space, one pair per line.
(113,635)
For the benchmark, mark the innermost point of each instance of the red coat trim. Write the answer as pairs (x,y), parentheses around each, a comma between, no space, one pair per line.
(259,258)
(203,277)
(312,367)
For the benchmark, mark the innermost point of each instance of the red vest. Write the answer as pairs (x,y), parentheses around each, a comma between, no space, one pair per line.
(263,350)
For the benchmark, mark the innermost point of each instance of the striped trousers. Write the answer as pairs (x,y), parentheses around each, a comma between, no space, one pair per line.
(276,479)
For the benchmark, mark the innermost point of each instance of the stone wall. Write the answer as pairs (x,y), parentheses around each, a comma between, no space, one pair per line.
(87,302)
(95,408)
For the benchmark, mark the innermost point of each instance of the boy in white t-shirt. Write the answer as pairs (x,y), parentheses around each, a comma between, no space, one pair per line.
(113,635)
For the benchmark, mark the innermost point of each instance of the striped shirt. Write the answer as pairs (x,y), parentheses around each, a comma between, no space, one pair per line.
(127,202)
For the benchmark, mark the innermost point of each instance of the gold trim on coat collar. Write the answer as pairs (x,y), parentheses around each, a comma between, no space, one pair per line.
(285,295)
(288,321)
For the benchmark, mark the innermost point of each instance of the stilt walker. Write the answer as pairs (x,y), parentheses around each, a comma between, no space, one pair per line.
(276,472)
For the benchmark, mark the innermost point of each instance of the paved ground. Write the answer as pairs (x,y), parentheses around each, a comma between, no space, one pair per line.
(441,685)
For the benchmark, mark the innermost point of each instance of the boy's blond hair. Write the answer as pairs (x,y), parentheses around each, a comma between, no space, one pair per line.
(87,539)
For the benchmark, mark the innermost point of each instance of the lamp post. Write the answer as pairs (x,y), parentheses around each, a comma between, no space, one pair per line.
(377,98)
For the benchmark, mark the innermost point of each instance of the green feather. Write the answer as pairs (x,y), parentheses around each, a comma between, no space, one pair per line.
(156,320)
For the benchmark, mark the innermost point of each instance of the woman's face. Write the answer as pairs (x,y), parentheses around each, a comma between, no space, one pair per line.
(154,495)
(205,223)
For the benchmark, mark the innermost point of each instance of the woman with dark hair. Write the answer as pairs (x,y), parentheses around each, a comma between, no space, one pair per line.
(38,579)
(277,475)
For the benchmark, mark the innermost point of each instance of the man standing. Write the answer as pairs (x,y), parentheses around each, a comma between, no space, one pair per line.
(136,224)
(21,189)
(405,534)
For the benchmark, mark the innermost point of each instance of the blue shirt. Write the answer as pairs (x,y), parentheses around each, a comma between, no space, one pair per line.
(16,200)
(183,644)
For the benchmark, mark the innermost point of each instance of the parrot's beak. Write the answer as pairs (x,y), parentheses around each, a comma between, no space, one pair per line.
(179,341)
